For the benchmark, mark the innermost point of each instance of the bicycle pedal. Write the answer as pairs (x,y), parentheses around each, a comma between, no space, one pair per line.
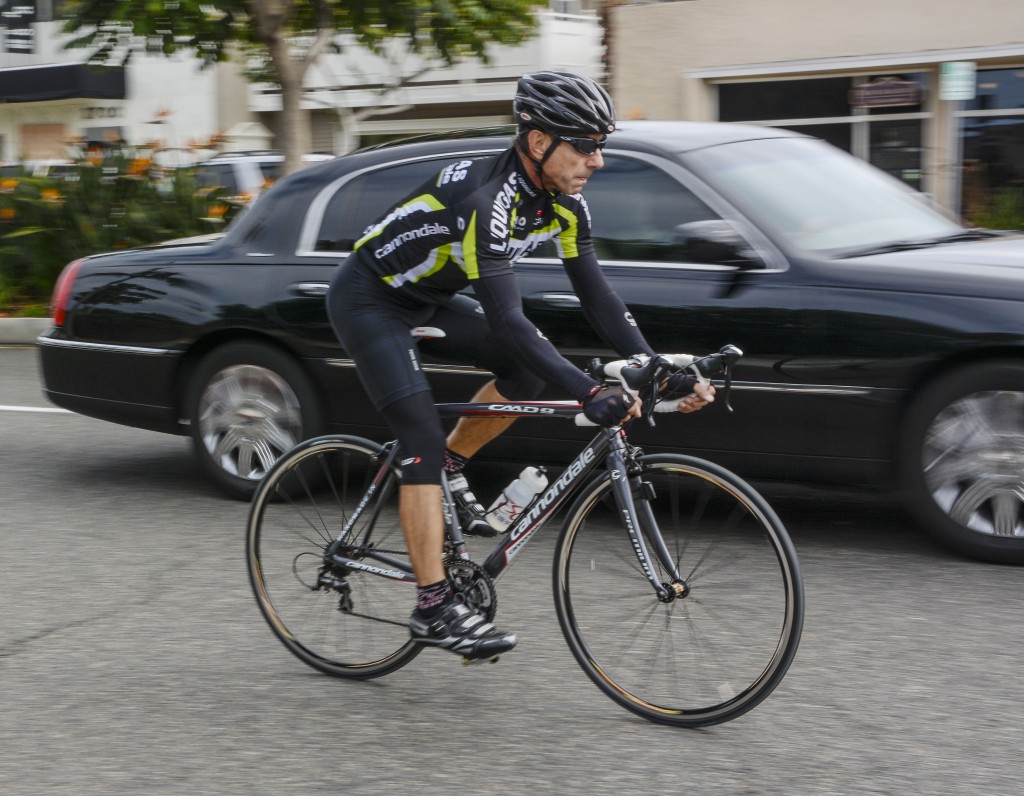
(469,661)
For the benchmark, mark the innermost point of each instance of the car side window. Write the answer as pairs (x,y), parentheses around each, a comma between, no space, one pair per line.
(635,209)
(217,175)
(365,199)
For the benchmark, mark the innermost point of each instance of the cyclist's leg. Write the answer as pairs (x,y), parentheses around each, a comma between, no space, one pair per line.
(468,339)
(374,326)
(416,425)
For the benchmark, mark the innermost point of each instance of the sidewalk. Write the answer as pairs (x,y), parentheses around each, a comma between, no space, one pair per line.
(22,331)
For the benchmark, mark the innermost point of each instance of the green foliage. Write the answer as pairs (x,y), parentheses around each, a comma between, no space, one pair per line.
(448,29)
(1003,210)
(116,202)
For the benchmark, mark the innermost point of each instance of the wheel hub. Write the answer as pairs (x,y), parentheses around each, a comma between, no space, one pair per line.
(974,462)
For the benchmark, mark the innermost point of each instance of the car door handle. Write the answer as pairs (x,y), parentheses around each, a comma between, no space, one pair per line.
(565,301)
(310,288)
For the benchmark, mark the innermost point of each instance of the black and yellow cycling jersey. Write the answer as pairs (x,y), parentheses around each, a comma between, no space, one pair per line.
(474,219)
(467,227)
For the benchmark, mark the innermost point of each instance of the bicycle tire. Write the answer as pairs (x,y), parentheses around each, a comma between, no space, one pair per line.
(351,624)
(701,659)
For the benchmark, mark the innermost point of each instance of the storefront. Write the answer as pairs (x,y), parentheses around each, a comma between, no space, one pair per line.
(927,92)
(954,129)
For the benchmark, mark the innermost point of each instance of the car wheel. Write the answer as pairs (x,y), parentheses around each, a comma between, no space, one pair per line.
(962,460)
(249,403)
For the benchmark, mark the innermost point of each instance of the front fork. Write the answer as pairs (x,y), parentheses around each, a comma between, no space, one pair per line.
(633,496)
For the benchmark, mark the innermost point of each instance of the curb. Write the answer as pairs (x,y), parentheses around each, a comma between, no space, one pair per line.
(22,331)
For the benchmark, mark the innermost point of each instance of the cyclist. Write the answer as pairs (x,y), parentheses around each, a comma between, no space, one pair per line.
(467,226)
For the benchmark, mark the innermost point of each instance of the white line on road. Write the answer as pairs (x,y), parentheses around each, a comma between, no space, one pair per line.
(32,409)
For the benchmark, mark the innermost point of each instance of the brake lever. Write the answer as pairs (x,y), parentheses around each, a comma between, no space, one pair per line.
(727,386)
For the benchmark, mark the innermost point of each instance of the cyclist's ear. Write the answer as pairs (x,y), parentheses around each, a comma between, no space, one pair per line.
(537,143)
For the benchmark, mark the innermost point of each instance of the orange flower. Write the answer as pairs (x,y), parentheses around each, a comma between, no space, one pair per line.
(51,195)
(217,211)
(6,213)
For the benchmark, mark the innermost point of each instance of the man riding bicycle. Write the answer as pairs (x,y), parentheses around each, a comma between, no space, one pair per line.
(467,227)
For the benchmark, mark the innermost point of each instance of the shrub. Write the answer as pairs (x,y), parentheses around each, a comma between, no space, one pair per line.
(1003,210)
(116,201)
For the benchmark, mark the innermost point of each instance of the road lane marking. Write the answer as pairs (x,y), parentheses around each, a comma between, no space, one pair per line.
(33,409)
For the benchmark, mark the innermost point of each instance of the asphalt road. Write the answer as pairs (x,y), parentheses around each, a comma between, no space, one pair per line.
(133,659)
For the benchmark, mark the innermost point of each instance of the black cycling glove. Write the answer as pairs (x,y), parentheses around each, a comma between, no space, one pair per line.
(678,385)
(607,405)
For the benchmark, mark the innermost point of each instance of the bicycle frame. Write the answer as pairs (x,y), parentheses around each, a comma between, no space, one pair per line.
(609,445)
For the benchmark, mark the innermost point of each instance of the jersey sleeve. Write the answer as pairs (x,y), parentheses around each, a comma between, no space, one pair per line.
(498,294)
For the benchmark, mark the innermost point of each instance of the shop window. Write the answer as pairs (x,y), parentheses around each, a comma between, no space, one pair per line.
(998,89)
(993,139)
(867,116)
(784,99)
(896,149)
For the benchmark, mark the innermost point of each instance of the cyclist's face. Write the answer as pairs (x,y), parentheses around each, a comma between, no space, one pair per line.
(566,170)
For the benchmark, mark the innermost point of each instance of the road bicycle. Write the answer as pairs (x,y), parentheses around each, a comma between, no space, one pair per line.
(676,586)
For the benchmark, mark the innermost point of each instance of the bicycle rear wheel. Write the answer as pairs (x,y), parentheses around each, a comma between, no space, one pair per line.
(702,658)
(342,621)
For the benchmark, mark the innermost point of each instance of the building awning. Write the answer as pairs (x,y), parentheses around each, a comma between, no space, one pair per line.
(61,81)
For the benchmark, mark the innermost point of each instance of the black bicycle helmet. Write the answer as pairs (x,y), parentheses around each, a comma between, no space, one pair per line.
(563,103)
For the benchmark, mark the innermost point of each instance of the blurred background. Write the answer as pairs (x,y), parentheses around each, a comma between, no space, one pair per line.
(125,122)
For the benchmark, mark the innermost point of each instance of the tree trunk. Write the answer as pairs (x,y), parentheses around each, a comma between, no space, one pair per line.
(272,19)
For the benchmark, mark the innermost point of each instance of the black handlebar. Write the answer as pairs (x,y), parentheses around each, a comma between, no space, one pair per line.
(645,378)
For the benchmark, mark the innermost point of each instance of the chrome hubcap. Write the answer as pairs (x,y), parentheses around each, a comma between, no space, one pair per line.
(248,417)
(973,461)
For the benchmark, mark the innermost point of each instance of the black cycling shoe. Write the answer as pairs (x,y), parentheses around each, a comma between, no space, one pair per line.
(464,631)
(472,517)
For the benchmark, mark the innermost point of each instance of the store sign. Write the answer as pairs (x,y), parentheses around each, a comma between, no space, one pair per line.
(16,22)
(957,80)
(886,92)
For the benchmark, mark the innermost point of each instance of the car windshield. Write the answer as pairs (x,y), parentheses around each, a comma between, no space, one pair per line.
(821,198)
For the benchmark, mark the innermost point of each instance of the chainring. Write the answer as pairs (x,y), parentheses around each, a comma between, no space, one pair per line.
(473,584)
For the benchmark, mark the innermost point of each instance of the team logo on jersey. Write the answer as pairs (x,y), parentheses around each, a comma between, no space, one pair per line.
(502,208)
(412,234)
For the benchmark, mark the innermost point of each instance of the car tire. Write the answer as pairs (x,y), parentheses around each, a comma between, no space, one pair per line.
(248,404)
(961,457)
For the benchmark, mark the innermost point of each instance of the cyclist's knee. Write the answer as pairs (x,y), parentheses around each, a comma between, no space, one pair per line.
(520,386)
(417,427)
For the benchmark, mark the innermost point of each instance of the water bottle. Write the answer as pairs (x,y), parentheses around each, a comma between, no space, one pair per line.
(516,496)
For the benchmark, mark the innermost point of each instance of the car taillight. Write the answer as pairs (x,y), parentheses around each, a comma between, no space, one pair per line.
(62,291)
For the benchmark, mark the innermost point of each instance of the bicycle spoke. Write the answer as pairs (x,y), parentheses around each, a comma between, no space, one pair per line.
(708,654)
(345,622)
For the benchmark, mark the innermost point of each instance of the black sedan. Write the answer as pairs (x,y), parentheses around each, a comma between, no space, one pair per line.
(884,342)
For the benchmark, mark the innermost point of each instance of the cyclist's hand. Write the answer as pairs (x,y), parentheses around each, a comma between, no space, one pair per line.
(701,396)
(610,405)
(678,385)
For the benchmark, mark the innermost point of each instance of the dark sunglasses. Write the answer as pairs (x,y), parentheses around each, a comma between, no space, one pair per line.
(584,145)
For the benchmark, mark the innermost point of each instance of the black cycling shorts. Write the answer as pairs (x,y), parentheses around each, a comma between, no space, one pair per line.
(374,323)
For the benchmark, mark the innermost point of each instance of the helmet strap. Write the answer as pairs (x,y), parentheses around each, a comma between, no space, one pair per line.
(524,148)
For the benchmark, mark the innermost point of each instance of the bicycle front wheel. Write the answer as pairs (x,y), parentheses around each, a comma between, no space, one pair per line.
(724,640)
(343,621)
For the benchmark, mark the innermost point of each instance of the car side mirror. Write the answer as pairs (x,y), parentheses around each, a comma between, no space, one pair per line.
(716,242)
